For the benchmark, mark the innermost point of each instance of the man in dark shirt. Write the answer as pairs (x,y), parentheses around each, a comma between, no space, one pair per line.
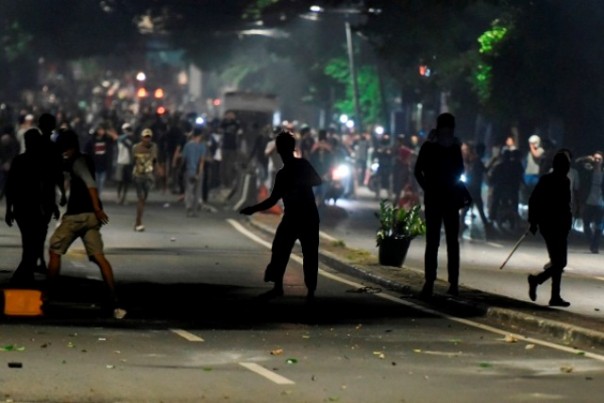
(83,218)
(293,184)
(30,204)
(438,169)
(550,213)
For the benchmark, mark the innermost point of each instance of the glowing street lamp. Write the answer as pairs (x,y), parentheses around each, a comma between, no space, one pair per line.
(140,76)
(344,119)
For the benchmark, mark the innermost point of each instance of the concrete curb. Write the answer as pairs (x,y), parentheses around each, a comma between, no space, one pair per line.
(564,333)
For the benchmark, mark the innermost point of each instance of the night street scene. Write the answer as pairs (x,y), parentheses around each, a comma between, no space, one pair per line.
(301,201)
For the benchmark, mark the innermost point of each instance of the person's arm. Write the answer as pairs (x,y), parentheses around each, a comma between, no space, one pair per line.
(267,203)
(8,194)
(418,171)
(535,207)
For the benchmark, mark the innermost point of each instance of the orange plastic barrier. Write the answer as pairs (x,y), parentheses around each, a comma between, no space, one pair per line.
(19,302)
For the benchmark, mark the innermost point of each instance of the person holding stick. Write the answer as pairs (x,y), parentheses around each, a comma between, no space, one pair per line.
(550,213)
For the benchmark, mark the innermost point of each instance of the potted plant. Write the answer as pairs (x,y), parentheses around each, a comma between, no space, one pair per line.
(398,226)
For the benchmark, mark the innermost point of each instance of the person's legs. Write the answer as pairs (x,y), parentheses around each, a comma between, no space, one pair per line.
(107,273)
(557,251)
(100,177)
(189,193)
(597,230)
(309,239)
(29,249)
(433,225)
(451,222)
(588,218)
(480,207)
(284,240)
(142,191)
(197,202)
(556,244)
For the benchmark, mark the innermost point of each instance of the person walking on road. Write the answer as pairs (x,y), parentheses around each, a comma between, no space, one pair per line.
(82,219)
(438,170)
(30,204)
(591,194)
(99,147)
(123,171)
(293,184)
(193,155)
(145,159)
(550,213)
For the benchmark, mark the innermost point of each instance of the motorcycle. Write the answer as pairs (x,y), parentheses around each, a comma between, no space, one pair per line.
(340,183)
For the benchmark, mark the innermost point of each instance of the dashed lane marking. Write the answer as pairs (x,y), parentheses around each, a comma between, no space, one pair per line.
(495,245)
(424,309)
(271,376)
(187,335)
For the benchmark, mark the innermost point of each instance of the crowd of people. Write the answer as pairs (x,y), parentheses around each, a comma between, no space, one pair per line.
(179,154)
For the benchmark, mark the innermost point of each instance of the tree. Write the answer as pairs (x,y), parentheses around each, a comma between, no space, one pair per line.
(544,71)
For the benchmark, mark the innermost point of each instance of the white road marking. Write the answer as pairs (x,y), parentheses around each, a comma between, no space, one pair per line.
(248,234)
(328,237)
(599,278)
(495,245)
(430,311)
(271,376)
(187,335)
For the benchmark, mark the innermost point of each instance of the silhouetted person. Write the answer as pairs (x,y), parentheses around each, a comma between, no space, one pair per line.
(438,168)
(549,212)
(591,198)
(293,184)
(83,218)
(475,171)
(29,204)
(52,160)
(506,180)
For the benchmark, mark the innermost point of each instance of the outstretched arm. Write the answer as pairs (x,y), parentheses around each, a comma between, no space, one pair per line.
(267,203)
(263,205)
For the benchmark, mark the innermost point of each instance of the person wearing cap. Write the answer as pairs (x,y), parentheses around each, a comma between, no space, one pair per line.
(533,162)
(125,162)
(83,219)
(591,197)
(143,173)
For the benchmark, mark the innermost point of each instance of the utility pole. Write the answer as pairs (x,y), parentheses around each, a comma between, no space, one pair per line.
(353,76)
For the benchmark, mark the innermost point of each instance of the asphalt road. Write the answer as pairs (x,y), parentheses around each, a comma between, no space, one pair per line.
(196,331)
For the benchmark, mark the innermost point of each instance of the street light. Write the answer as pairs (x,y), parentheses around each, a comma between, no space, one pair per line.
(353,75)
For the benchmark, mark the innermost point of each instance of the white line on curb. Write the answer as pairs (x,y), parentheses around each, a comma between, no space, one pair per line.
(271,376)
(187,335)
(397,300)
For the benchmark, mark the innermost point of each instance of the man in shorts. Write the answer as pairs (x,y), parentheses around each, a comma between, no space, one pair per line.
(82,219)
(145,159)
